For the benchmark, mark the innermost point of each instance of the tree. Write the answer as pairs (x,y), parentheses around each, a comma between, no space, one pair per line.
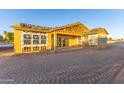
(9,36)
(1,38)
(110,39)
(121,39)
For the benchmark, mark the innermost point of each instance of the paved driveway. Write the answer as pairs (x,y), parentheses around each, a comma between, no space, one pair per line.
(84,66)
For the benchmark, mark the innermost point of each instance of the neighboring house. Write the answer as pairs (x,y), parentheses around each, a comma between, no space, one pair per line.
(31,38)
(97,37)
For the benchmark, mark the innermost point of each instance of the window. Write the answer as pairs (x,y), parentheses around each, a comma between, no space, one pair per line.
(102,40)
(35,39)
(43,39)
(79,40)
(27,39)
(92,40)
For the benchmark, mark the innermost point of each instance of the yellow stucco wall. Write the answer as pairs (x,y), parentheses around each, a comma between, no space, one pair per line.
(18,46)
(17,41)
(73,32)
(73,41)
(49,41)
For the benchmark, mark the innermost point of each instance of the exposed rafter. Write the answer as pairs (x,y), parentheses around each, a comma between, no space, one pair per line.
(30,27)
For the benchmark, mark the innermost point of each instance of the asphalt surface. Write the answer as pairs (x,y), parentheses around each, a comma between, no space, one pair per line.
(83,66)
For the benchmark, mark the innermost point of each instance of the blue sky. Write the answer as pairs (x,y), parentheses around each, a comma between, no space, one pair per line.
(112,20)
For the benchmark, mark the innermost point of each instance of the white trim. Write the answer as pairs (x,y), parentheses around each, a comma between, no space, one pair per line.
(33,39)
(46,40)
(89,38)
(22,40)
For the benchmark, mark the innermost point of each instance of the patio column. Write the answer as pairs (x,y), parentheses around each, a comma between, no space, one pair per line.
(55,41)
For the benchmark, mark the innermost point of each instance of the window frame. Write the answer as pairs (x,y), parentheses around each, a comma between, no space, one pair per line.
(46,40)
(35,39)
(79,40)
(31,39)
(22,39)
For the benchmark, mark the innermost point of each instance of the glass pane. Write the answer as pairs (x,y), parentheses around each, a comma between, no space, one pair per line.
(43,41)
(27,42)
(35,41)
(27,36)
(35,36)
(79,38)
(43,36)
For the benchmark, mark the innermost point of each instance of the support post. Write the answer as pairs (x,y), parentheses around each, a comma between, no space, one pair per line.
(55,41)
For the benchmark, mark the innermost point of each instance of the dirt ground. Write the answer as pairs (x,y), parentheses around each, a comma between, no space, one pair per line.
(83,66)
(7,52)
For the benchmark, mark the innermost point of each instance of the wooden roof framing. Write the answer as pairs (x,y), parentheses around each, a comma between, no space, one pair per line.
(30,27)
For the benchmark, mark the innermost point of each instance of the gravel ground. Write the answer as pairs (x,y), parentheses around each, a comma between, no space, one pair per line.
(84,66)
